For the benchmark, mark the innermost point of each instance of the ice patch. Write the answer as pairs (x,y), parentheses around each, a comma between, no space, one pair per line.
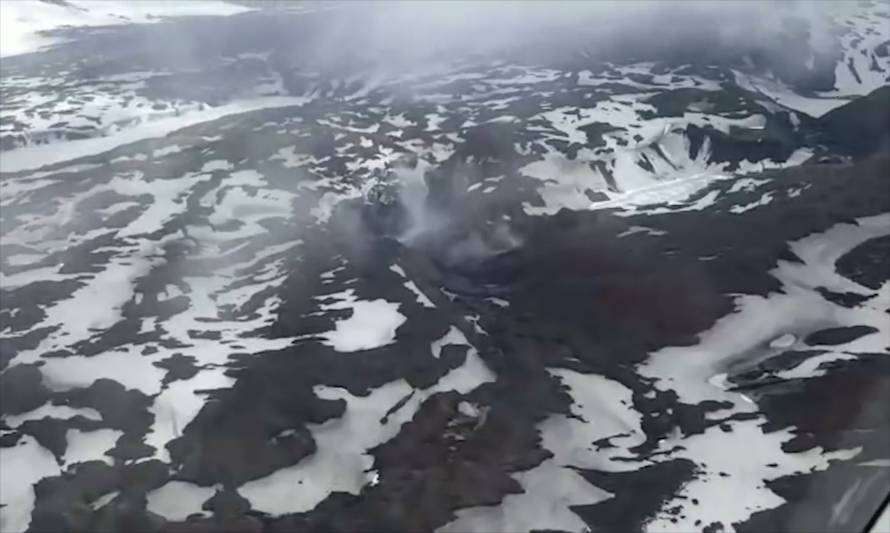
(565,183)
(422,298)
(605,410)
(373,323)
(178,499)
(739,209)
(216,164)
(128,368)
(104,500)
(716,451)
(500,302)
(32,157)
(746,184)
(178,404)
(167,150)
(290,158)
(90,445)
(785,341)
(23,465)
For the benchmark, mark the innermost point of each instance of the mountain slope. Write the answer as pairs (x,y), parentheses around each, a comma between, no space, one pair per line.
(280,272)
(26,23)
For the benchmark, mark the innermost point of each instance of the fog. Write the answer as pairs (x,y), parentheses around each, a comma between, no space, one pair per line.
(382,39)
(390,35)
(385,42)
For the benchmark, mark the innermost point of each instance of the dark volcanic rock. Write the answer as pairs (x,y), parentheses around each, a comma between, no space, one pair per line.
(861,127)
(50,433)
(63,503)
(842,335)
(867,264)
(122,409)
(835,422)
(232,442)
(240,276)
(638,494)
(21,389)
(178,367)
(846,299)
(227,504)
(430,469)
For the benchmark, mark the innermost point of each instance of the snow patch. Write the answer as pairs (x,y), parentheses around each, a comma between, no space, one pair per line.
(341,462)
(178,499)
(36,156)
(372,324)
(23,465)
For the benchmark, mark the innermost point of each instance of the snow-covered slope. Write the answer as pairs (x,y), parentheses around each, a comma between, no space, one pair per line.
(25,24)
(255,277)
(849,42)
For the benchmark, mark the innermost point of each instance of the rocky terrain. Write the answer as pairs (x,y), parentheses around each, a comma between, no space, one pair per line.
(303,267)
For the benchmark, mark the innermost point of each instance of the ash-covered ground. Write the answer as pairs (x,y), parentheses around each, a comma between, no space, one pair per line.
(403,267)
